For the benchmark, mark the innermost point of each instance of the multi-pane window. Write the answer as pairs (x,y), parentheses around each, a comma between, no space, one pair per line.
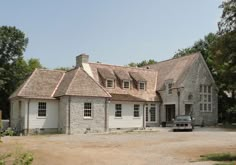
(118,112)
(153,112)
(136,110)
(42,108)
(126,84)
(110,83)
(142,85)
(205,98)
(87,110)
(169,88)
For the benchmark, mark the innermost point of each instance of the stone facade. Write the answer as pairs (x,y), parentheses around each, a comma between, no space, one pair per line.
(189,95)
(78,123)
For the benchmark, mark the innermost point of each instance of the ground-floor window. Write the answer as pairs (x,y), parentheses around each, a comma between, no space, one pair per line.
(118,110)
(87,110)
(42,108)
(136,110)
(153,112)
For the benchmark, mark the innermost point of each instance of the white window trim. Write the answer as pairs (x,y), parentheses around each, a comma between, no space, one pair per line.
(42,117)
(118,117)
(137,110)
(88,117)
(169,89)
(144,82)
(113,83)
(124,81)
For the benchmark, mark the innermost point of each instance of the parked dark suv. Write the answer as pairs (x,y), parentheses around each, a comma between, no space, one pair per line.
(183,122)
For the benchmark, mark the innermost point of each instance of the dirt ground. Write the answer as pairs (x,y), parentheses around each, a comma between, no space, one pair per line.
(151,147)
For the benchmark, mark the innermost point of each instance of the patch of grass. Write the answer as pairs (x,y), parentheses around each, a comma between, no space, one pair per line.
(227,163)
(219,157)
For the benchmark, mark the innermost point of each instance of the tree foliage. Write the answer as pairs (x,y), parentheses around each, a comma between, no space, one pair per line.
(228,17)
(142,63)
(13,68)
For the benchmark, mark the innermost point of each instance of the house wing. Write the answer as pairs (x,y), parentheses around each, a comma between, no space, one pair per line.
(40,84)
(174,69)
(78,83)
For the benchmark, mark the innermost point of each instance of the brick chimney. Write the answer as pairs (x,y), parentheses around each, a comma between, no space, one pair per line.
(82,58)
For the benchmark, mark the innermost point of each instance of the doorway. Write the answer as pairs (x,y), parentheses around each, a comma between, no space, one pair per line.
(188,109)
(170,112)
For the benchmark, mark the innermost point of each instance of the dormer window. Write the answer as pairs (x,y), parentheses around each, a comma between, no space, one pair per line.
(169,88)
(126,84)
(110,83)
(142,85)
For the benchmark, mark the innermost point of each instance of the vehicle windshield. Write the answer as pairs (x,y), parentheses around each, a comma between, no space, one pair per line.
(183,118)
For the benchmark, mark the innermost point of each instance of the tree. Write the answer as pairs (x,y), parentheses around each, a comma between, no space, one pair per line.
(142,63)
(13,68)
(228,17)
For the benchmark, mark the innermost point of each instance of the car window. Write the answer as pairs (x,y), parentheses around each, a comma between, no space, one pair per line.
(183,118)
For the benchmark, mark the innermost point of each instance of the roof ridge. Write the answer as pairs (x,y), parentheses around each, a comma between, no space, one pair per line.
(59,82)
(51,70)
(191,54)
(27,81)
(138,68)
(72,79)
(96,83)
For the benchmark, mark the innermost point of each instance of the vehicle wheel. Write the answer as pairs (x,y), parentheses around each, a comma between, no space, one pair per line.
(174,130)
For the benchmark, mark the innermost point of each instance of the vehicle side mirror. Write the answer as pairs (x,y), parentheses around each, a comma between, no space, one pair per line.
(193,118)
(173,119)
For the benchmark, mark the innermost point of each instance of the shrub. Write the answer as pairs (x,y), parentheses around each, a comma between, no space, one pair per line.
(9,132)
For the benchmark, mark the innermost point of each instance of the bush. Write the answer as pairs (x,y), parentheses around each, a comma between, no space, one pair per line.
(219,157)
(19,158)
(9,132)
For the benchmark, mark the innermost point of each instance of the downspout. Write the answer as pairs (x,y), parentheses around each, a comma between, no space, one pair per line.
(28,116)
(69,102)
(106,115)
(144,116)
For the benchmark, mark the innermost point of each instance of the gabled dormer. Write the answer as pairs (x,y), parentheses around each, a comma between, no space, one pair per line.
(108,77)
(124,79)
(140,82)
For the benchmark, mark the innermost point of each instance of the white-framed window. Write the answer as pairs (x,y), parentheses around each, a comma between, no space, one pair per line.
(169,88)
(142,85)
(126,84)
(153,113)
(205,98)
(136,110)
(110,83)
(118,110)
(87,110)
(42,109)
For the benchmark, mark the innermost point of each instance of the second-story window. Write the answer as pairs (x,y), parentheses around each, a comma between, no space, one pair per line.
(110,83)
(169,88)
(142,85)
(126,84)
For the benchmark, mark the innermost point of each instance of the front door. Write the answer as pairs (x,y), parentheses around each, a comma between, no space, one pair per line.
(188,109)
(151,113)
(170,112)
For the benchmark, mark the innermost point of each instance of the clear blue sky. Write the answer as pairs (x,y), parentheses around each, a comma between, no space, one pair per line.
(110,31)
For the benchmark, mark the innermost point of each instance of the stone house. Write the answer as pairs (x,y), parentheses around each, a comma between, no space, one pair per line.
(95,97)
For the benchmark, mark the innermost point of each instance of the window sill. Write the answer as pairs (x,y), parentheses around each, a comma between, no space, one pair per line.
(41,117)
(118,117)
(136,117)
(88,118)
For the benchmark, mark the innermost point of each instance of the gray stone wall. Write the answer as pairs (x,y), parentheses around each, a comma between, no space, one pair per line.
(79,124)
(63,114)
(197,75)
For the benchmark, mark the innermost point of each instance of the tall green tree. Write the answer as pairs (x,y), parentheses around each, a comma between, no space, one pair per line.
(13,68)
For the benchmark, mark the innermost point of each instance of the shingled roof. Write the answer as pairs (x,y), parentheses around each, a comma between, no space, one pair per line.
(78,83)
(173,69)
(40,84)
(127,73)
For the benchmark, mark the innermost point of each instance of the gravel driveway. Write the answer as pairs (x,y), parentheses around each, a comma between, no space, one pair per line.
(160,146)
